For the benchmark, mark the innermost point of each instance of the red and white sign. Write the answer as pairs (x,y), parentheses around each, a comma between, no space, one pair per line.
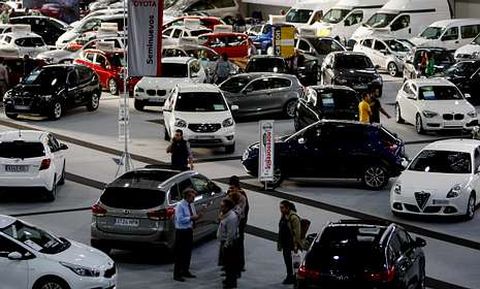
(266,157)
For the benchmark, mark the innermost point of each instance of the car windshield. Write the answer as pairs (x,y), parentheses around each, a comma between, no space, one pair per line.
(439,93)
(298,15)
(334,16)
(353,62)
(117,60)
(21,150)
(324,45)
(200,102)
(432,32)
(176,70)
(447,162)
(476,40)
(47,77)
(397,46)
(235,84)
(380,20)
(199,32)
(266,65)
(35,238)
(328,100)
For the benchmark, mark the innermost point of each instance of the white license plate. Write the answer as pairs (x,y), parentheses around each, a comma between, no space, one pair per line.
(360,87)
(16,168)
(440,202)
(127,222)
(204,137)
(21,107)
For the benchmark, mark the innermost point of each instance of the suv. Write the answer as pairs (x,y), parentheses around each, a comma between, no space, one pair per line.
(334,149)
(358,254)
(266,63)
(33,160)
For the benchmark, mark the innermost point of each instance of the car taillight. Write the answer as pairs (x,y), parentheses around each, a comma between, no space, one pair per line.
(98,210)
(163,214)
(45,164)
(305,273)
(382,276)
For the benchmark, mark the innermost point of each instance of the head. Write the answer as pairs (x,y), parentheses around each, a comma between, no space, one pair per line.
(234,182)
(282,12)
(26,57)
(285,207)
(367,96)
(178,136)
(189,195)
(224,56)
(226,205)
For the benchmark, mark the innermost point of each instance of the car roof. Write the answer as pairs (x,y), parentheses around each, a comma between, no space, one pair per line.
(255,75)
(40,17)
(16,35)
(25,135)
(6,221)
(458,21)
(430,48)
(179,59)
(431,82)
(198,87)
(332,87)
(461,145)
(163,174)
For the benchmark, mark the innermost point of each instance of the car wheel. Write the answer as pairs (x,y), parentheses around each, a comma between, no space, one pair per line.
(277,179)
(51,283)
(289,108)
(11,115)
(419,124)
(51,195)
(112,86)
(392,69)
(62,178)
(139,105)
(100,246)
(230,148)
(165,135)
(398,114)
(375,176)
(56,111)
(470,213)
(94,102)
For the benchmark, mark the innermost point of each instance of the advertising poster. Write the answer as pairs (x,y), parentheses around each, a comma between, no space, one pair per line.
(266,159)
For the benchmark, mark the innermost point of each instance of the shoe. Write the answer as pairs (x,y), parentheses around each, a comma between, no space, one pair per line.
(189,275)
(179,279)
(289,281)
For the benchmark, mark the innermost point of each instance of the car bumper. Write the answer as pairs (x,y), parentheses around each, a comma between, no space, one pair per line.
(435,206)
(307,284)
(150,100)
(440,124)
(93,283)
(33,107)
(43,181)
(223,137)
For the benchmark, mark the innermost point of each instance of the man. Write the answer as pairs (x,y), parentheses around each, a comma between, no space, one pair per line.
(228,236)
(185,217)
(223,68)
(376,108)
(364,110)
(3,78)
(182,158)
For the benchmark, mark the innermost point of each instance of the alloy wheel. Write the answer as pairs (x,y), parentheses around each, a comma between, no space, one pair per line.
(392,69)
(57,110)
(375,177)
(95,101)
(471,207)
(290,108)
(419,125)
(112,86)
(52,285)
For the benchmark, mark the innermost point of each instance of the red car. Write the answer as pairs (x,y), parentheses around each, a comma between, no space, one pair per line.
(235,45)
(205,21)
(110,67)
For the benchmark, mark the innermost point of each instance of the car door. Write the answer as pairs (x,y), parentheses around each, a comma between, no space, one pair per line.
(74,97)
(379,53)
(280,93)
(407,99)
(13,273)
(254,96)
(207,201)
(58,155)
(407,262)
(450,39)
(307,111)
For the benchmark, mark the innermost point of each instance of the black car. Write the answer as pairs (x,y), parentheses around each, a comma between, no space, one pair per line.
(466,76)
(326,102)
(51,89)
(47,27)
(334,149)
(442,57)
(361,254)
(266,63)
(353,69)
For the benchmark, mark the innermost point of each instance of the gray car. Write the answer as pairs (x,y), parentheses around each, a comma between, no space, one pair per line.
(138,208)
(261,93)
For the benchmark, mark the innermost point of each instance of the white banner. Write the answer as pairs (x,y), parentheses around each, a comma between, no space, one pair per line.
(145,18)
(266,157)
(123,120)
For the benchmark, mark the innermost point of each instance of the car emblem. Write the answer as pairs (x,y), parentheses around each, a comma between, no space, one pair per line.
(126,212)
(422,199)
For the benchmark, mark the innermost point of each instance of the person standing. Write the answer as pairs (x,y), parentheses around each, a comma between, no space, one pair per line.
(5,16)
(185,217)
(28,65)
(223,68)
(289,237)
(182,157)
(228,235)
(376,108)
(430,70)
(364,110)
(3,77)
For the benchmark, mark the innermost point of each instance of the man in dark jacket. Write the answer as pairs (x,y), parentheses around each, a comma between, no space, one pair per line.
(182,158)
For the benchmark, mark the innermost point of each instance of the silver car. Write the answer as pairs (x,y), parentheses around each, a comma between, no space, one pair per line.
(138,208)
(261,93)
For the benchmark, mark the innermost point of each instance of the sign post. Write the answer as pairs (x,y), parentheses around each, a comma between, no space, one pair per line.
(266,157)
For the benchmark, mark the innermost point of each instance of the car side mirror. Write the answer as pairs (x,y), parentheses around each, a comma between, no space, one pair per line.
(234,107)
(247,90)
(301,141)
(419,242)
(63,147)
(15,256)
(405,163)
(467,95)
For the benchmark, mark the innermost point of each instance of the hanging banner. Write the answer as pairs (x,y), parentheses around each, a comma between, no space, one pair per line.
(145,18)
(266,163)
(284,40)
(123,119)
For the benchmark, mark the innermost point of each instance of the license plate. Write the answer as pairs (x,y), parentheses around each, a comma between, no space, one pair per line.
(127,222)
(204,137)
(440,202)
(360,87)
(16,168)
(21,107)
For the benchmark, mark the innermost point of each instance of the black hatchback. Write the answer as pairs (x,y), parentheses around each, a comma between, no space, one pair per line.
(357,254)
(466,76)
(334,149)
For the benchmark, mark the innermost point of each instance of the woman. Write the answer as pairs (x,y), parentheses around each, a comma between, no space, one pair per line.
(228,236)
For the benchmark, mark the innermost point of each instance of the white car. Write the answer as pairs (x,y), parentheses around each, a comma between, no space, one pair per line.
(469,51)
(26,43)
(31,258)
(434,104)
(153,91)
(177,32)
(442,180)
(32,159)
(202,113)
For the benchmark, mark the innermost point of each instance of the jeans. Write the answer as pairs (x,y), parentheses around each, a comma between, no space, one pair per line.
(287,258)
(183,251)
(230,261)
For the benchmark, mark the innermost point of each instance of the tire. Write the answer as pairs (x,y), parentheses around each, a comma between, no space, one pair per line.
(289,108)
(419,125)
(51,282)
(94,102)
(11,115)
(398,114)
(62,178)
(51,195)
(392,69)
(56,111)
(230,148)
(100,246)
(470,213)
(112,86)
(139,105)
(165,134)
(375,176)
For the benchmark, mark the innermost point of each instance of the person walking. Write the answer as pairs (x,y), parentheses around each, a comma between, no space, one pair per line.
(376,108)
(289,237)
(223,68)
(228,235)
(364,109)
(3,77)
(179,148)
(185,218)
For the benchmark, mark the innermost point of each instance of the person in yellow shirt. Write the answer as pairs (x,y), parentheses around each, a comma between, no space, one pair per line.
(364,110)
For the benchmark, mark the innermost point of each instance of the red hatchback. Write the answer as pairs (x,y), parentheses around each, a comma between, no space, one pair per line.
(110,68)
(235,45)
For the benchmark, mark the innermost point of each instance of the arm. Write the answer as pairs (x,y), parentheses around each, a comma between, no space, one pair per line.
(385,113)
(231,230)
(190,156)
(296,230)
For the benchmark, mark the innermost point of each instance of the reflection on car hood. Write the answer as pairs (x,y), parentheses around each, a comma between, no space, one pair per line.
(436,183)
(80,254)
(32,89)
(357,72)
(446,106)
(161,82)
(203,117)
(55,54)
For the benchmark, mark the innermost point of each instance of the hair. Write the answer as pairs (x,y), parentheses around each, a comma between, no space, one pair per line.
(365,94)
(228,203)
(289,205)
(179,131)
(234,181)
(188,191)
(225,56)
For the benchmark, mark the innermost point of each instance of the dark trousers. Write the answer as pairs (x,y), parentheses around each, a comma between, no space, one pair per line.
(231,264)
(241,243)
(183,251)
(287,258)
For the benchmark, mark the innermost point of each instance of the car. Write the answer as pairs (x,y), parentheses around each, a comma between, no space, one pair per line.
(266,63)
(101,12)
(33,160)
(47,27)
(25,42)
(177,32)
(334,149)
(433,105)
(104,4)
(388,53)
(226,9)
(153,91)
(442,180)
(262,37)
(205,21)
(31,257)
(202,113)
(353,69)
(235,45)
(466,76)
(411,68)
(363,254)
(110,68)
(51,89)
(318,47)
(326,102)
(469,51)
(150,218)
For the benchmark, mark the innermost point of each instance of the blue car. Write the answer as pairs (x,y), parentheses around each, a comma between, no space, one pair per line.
(261,36)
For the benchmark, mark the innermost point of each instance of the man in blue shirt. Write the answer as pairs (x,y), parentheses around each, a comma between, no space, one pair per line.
(185,217)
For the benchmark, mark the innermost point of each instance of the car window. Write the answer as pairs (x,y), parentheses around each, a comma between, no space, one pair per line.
(21,149)
(406,241)
(200,102)
(167,32)
(176,191)
(84,74)
(470,31)
(401,23)
(367,43)
(90,57)
(394,248)
(194,67)
(257,85)
(101,60)
(276,83)
(379,46)
(354,18)
(450,34)
(346,134)
(446,162)
(7,247)
(200,184)
(177,33)
(53,143)
(303,45)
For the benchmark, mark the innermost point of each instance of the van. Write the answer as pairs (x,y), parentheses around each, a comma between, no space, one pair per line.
(306,13)
(450,34)
(346,16)
(404,18)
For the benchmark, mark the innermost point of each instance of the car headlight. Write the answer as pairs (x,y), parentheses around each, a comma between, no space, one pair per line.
(46,97)
(81,270)
(180,123)
(139,89)
(397,189)
(228,122)
(245,155)
(429,114)
(340,80)
(455,191)
(472,114)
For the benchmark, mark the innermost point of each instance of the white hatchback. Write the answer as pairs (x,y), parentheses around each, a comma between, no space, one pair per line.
(31,258)
(202,113)
(26,43)
(434,104)
(31,159)
(442,180)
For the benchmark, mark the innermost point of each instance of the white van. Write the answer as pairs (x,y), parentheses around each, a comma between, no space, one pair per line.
(449,34)
(469,51)
(306,13)
(346,16)
(404,18)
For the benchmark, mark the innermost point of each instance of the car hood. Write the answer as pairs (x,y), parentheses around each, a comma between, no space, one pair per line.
(83,255)
(32,89)
(364,31)
(435,183)
(67,37)
(440,106)
(203,117)
(357,72)
(161,82)
(468,49)
(420,41)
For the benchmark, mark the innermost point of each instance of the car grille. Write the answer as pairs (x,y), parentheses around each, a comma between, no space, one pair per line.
(412,208)
(204,127)
(110,272)
(432,209)
(422,199)
(457,116)
(159,92)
